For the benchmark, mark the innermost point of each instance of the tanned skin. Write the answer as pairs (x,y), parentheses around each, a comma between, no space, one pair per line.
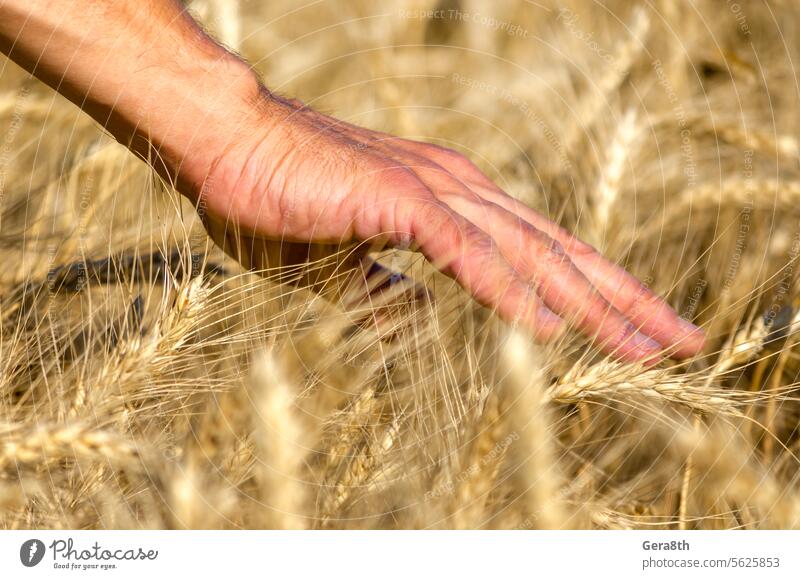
(282,175)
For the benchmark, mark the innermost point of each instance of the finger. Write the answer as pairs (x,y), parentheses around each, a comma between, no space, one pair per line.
(465,253)
(624,291)
(560,284)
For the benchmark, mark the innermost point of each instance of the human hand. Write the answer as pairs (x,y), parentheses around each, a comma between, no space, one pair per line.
(277,178)
(303,180)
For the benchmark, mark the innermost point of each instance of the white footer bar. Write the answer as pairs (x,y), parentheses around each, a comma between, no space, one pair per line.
(401,554)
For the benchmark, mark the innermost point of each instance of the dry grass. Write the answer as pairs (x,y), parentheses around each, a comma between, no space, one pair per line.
(147,382)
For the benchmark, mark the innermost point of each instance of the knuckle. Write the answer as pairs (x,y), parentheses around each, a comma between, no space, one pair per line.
(452,158)
(402,184)
(556,249)
(578,247)
(533,251)
(478,244)
(520,239)
(431,216)
(553,254)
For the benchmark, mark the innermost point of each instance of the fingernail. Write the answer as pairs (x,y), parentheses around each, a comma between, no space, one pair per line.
(644,344)
(688,329)
(547,316)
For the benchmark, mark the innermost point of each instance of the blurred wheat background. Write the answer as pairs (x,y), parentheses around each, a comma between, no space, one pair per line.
(146,381)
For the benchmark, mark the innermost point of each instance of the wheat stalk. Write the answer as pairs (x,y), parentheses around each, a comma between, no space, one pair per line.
(50,442)
(375,409)
(280,446)
(624,55)
(612,171)
(534,459)
(615,381)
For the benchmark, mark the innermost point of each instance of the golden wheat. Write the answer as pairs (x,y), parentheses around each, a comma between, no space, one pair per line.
(147,381)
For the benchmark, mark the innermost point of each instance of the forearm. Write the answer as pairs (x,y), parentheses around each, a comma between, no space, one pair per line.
(141,68)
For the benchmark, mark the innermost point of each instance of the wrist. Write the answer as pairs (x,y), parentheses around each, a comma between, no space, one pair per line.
(183,120)
(142,69)
(249,155)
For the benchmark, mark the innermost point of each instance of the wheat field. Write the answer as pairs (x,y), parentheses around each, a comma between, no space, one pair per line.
(148,381)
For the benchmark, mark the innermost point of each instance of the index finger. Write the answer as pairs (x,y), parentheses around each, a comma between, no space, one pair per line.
(650,313)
